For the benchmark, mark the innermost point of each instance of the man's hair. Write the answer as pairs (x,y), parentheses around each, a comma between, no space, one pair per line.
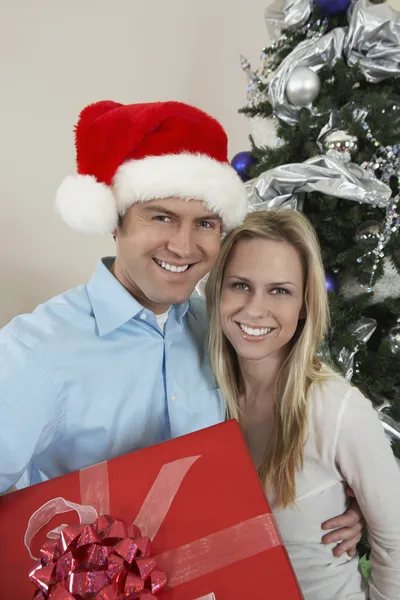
(119,224)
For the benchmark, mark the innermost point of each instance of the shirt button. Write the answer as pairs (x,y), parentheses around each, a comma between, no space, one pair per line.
(143,316)
(173,397)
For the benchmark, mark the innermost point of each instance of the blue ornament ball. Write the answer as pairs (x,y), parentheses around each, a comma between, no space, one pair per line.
(332,283)
(241,162)
(329,8)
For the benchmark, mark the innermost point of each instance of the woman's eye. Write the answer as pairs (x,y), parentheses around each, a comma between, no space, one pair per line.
(240,286)
(279,291)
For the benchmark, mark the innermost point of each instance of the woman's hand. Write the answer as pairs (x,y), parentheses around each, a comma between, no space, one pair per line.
(347,529)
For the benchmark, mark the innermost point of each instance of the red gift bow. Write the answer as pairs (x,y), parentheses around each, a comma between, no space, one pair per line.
(102,561)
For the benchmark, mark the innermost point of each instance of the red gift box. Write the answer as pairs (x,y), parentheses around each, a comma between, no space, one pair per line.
(218,501)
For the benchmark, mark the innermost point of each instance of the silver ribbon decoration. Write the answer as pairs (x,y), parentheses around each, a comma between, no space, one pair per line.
(279,187)
(392,427)
(361,331)
(372,39)
(297,12)
(324,353)
(294,13)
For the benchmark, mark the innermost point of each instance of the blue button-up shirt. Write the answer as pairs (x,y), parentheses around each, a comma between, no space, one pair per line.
(89,375)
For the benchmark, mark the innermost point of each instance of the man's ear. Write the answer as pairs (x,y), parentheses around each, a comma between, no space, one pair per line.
(115,232)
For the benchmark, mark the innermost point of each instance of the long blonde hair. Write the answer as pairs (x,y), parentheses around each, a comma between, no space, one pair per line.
(302,367)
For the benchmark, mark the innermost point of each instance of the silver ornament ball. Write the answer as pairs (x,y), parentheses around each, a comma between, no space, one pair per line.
(368,232)
(340,145)
(303,86)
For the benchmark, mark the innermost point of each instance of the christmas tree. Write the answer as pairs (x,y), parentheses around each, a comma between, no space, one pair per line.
(328,89)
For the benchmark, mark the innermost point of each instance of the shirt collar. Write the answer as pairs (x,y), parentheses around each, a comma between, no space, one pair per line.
(112,304)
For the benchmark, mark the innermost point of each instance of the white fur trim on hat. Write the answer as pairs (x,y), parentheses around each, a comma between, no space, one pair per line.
(93,207)
(192,176)
(87,205)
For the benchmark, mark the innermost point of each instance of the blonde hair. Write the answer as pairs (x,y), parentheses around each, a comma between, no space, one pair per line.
(302,367)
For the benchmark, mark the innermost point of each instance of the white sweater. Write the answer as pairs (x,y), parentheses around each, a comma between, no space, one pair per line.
(346,445)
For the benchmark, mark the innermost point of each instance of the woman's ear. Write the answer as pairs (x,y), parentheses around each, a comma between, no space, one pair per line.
(303,313)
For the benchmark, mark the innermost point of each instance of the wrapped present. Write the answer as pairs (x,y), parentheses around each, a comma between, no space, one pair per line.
(183,520)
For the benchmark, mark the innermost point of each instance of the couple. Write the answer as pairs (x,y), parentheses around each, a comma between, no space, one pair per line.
(122,363)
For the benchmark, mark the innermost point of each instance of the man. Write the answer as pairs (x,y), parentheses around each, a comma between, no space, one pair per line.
(121,363)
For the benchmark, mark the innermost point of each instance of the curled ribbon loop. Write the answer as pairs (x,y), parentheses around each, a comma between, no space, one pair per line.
(56,506)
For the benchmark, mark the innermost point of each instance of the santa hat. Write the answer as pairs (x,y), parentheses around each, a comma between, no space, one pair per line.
(133,153)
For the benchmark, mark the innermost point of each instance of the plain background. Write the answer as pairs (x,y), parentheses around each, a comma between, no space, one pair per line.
(56,57)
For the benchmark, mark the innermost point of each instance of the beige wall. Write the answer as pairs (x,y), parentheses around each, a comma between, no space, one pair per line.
(55,57)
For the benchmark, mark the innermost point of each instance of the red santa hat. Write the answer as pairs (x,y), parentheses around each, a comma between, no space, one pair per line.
(138,152)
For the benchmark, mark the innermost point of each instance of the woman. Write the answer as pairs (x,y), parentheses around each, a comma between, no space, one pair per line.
(310,433)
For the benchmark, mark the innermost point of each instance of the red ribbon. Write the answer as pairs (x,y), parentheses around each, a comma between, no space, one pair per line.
(103,560)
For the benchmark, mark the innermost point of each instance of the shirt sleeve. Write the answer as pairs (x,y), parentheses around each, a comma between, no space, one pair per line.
(28,409)
(366,460)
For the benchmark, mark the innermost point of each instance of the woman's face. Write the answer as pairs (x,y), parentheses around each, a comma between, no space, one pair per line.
(262,297)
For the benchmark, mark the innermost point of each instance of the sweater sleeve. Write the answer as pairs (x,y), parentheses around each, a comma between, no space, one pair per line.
(365,459)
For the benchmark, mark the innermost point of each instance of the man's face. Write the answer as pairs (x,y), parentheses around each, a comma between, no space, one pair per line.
(164,248)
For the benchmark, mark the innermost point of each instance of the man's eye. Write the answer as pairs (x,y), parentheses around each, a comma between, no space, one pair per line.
(206,224)
(162,218)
